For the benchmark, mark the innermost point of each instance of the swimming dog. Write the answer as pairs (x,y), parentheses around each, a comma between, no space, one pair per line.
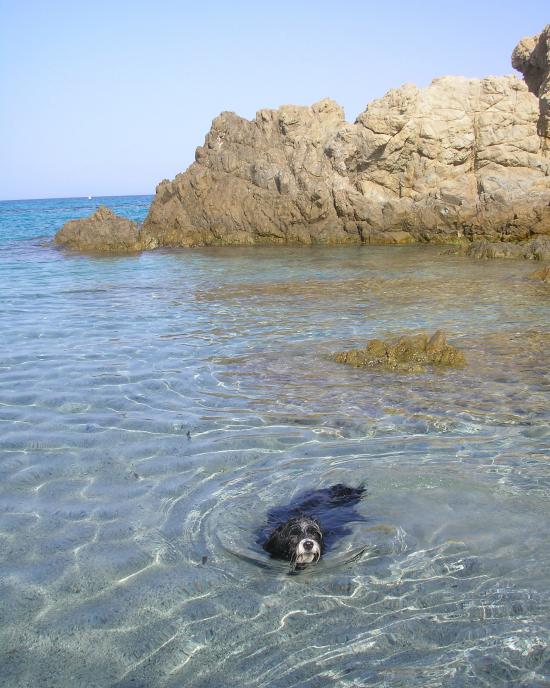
(294,532)
(300,540)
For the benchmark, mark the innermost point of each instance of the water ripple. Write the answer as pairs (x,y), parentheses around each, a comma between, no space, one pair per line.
(155,408)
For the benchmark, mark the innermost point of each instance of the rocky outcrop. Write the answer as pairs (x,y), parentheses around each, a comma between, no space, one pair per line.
(102,232)
(459,160)
(531,57)
(405,354)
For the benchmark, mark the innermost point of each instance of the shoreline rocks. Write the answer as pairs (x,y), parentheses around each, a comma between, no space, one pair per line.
(406,354)
(461,160)
(101,232)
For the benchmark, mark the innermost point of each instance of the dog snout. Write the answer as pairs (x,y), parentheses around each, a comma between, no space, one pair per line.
(308,545)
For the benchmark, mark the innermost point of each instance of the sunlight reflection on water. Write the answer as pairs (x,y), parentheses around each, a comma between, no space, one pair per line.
(154,408)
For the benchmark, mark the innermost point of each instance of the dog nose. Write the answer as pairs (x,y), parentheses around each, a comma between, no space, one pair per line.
(308,544)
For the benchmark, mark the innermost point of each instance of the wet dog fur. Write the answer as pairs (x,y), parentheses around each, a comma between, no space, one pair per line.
(303,530)
(300,540)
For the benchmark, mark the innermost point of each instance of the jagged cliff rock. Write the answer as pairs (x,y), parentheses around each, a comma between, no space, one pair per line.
(102,232)
(459,160)
(461,157)
(531,57)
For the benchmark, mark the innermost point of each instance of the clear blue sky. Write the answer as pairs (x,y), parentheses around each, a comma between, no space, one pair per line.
(108,98)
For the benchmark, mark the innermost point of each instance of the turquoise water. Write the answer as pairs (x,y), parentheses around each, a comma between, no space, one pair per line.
(127,546)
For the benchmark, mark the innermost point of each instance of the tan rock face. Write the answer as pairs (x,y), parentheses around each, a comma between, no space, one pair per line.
(459,160)
(405,354)
(531,57)
(257,182)
(102,232)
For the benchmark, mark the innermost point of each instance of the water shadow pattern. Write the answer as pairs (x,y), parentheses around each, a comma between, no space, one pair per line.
(154,409)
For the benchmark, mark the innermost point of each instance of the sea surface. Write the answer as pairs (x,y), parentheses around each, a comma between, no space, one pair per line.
(154,408)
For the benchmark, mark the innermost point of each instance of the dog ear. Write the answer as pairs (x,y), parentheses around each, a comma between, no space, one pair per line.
(316,521)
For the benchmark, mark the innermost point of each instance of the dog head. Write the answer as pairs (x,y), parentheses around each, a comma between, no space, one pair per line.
(300,540)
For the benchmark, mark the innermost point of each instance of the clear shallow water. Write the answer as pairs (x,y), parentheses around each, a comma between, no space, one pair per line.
(127,548)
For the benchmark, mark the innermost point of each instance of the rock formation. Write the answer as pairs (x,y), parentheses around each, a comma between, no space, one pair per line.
(102,232)
(531,57)
(459,160)
(405,354)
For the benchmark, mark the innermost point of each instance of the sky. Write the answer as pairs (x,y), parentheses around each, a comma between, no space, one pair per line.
(109,98)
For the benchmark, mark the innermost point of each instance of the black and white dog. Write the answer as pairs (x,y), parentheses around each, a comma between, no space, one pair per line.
(304,529)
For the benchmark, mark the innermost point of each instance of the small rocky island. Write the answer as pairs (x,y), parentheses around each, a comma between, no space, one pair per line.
(460,161)
(406,354)
(102,232)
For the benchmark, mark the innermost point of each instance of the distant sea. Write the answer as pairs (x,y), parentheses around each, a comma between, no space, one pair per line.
(41,218)
(155,407)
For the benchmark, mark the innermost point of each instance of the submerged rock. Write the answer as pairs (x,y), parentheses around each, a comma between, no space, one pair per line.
(542,274)
(459,160)
(533,249)
(102,232)
(405,354)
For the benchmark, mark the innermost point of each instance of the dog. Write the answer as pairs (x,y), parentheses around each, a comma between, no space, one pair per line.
(300,540)
(294,532)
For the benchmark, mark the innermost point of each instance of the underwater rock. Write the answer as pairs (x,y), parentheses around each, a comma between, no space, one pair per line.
(102,232)
(537,248)
(405,354)
(542,274)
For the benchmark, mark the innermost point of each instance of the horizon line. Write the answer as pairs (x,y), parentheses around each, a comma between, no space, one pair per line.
(65,198)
